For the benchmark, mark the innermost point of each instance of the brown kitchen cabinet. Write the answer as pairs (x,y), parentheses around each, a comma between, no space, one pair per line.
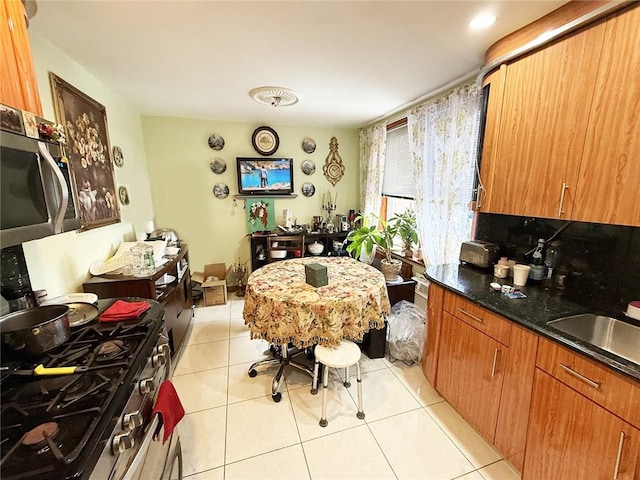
(561,128)
(571,436)
(170,285)
(537,149)
(470,373)
(483,365)
(607,189)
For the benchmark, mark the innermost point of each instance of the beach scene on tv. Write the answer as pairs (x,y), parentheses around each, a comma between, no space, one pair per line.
(265,175)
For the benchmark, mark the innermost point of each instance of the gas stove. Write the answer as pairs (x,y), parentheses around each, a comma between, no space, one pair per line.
(63,426)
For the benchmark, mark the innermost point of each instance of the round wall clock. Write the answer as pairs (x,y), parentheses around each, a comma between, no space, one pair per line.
(265,140)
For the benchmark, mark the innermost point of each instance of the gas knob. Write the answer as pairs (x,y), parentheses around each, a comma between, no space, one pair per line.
(132,420)
(146,385)
(123,442)
(164,349)
(159,359)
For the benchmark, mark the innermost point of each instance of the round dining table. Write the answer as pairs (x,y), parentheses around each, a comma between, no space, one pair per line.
(282,308)
(294,316)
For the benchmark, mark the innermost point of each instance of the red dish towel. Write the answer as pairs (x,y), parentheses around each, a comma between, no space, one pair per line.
(169,408)
(121,310)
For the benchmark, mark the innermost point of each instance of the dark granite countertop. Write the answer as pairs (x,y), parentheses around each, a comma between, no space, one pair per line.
(532,312)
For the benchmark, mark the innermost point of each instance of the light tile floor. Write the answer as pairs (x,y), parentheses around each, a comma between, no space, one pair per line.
(233,430)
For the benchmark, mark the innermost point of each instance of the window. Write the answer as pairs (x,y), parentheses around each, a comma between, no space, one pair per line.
(398,186)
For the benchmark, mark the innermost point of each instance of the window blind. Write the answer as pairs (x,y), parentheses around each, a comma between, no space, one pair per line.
(398,179)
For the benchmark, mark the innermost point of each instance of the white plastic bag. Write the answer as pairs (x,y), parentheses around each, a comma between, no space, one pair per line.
(406,332)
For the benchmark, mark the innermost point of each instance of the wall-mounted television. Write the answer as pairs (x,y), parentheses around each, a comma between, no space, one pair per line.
(262,176)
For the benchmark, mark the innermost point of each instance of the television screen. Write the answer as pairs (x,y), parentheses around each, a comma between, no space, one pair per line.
(259,176)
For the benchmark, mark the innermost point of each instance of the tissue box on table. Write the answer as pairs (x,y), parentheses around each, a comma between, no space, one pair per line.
(316,274)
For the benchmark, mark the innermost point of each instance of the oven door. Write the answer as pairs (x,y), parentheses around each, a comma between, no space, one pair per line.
(155,460)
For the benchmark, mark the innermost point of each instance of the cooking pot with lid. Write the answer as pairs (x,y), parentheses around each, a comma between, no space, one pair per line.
(36,330)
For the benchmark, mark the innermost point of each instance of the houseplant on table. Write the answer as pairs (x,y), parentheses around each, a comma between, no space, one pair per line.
(366,238)
(407,229)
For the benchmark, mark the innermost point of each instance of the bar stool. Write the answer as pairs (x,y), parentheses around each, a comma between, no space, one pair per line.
(343,356)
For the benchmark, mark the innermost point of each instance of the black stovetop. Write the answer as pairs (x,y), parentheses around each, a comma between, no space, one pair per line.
(56,427)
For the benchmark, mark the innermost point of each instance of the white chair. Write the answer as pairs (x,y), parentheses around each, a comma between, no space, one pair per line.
(343,356)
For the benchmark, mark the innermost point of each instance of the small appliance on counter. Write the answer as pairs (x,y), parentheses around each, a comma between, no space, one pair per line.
(478,253)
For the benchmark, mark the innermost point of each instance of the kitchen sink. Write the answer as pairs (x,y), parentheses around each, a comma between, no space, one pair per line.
(615,336)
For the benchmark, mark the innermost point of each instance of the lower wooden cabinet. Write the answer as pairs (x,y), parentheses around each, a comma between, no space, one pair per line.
(572,437)
(470,373)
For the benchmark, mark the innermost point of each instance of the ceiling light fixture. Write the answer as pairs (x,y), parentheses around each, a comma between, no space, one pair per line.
(482,21)
(274,96)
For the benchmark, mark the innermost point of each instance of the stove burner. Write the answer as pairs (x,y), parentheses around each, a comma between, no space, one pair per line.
(110,349)
(37,436)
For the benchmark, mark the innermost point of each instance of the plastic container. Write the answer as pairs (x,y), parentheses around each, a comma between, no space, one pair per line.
(142,260)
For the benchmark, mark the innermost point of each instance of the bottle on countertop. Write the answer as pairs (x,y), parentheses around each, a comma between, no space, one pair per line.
(537,271)
(551,259)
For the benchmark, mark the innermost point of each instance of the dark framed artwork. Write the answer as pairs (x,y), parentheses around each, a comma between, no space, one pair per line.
(89,154)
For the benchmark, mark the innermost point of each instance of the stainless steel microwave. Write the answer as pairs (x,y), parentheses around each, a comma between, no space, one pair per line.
(36,194)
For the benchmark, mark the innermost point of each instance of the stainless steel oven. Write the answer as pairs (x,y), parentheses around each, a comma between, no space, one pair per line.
(97,424)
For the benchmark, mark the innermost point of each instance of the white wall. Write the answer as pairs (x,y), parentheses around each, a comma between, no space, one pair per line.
(61,263)
(216,229)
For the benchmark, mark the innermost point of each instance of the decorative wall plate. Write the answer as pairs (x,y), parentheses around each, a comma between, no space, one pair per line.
(308,189)
(123,195)
(216,142)
(221,190)
(118,158)
(308,145)
(265,140)
(333,167)
(218,165)
(308,167)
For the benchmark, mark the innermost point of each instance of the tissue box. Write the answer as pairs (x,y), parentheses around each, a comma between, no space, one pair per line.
(316,274)
(214,286)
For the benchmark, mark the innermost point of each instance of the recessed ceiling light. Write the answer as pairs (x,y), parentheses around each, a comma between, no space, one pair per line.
(274,96)
(482,21)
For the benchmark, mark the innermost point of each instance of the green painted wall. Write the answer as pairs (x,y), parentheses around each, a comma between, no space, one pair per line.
(215,229)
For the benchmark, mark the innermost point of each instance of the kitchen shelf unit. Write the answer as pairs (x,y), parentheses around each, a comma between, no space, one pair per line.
(175,296)
(259,244)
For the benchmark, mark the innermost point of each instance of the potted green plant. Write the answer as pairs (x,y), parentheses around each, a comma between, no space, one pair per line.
(407,229)
(367,238)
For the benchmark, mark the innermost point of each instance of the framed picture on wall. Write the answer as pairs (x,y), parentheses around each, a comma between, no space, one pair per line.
(89,154)
(261,216)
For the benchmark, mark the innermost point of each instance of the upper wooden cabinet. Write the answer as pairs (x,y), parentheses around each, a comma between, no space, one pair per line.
(561,138)
(18,86)
(610,166)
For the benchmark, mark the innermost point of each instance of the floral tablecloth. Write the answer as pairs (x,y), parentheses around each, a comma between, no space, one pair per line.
(281,307)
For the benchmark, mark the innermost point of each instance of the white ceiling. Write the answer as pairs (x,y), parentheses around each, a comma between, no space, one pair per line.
(350,61)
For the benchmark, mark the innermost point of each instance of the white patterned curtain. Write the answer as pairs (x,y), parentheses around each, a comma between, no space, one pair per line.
(443,136)
(373,143)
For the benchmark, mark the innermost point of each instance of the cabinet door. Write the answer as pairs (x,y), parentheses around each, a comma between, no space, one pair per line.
(571,437)
(470,373)
(607,190)
(545,109)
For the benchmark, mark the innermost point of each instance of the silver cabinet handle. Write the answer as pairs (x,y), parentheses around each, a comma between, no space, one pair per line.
(619,456)
(479,197)
(578,376)
(495,363)
(562,191)
(477,319)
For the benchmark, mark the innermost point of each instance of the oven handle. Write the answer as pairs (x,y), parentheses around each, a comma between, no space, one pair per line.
(142,451)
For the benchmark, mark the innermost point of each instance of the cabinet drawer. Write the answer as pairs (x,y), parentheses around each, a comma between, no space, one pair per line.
(480,318)
(619,395)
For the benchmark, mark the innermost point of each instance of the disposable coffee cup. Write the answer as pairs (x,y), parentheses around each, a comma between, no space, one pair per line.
(520,274)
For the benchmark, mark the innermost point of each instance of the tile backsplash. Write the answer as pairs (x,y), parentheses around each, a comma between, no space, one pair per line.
(603,261)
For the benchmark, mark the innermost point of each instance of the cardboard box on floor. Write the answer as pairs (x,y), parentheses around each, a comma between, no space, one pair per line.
(214,292)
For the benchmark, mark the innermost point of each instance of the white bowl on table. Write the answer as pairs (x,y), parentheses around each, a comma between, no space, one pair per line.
(278,254)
